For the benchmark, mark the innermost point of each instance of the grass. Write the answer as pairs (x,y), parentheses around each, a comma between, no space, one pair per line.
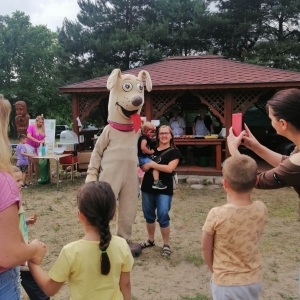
(197,297)
(195,259)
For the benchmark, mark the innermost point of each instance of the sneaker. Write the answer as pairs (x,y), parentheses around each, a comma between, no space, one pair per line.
(159,186)
(24,186)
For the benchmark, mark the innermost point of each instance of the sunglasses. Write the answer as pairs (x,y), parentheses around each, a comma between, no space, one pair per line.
(152,131)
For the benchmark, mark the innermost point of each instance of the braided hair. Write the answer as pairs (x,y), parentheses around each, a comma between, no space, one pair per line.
(96,201)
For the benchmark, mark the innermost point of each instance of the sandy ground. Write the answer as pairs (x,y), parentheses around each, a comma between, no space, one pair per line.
(183,275)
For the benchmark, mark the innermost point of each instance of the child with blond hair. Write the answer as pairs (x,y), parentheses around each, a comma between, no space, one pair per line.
(232,232)
(144,152)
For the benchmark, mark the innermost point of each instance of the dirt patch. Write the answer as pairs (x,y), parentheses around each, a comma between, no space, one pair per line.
(183,275)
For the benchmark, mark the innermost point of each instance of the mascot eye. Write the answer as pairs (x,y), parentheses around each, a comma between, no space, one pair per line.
(139,87)
(127,86)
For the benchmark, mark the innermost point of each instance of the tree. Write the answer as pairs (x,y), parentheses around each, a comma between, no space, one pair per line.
(129,33)
(236,26)
(279,46)
(263,32)
(29,67)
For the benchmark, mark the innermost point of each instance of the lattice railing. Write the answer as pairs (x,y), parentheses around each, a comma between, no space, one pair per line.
(215,100)
(242,100)
(103,107)
(87,102)
(161,101)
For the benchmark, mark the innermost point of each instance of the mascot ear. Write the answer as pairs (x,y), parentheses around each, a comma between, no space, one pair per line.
(145,74)
(112,79)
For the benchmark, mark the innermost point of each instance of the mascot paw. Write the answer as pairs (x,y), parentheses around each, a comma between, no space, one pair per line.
(135,249)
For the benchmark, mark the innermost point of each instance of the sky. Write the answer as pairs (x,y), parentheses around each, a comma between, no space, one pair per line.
(43,12)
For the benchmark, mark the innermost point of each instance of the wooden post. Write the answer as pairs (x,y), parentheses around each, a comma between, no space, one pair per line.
(148,106)
(75,111)
(227,115)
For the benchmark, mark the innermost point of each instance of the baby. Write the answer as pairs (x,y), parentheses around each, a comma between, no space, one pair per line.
(144,150)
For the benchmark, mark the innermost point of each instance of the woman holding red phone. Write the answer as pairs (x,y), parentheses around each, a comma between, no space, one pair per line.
(283,109)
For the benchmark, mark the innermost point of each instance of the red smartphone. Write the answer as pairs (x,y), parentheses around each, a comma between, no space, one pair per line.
(237,123)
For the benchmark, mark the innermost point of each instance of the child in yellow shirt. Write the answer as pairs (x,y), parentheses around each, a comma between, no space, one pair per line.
(97,266)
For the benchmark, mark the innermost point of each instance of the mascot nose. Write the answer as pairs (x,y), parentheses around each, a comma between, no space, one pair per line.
(137,101)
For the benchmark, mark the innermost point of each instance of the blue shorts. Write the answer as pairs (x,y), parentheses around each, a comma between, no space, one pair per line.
(10,284)
(144,160)
(159,205)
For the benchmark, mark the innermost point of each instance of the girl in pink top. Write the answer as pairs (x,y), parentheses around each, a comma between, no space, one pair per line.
(13,250)
(35,137)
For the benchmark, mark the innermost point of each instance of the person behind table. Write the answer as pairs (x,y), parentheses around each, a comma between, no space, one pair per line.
(22,158)
(231,234)
(13,251)
(283,109)
(202,125)
(156,204)
(177,123)
(35,137)
(97,266)
(33,291)
(144,151)
(178,126)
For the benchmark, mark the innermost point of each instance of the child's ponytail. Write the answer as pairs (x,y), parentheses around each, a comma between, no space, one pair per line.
(105,237)
(96,201)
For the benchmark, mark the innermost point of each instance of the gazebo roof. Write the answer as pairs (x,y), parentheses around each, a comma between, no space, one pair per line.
(200,72)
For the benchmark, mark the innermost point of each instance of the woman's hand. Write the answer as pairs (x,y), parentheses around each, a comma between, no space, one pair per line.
(42,141)
(40,252)
(233,142)
(249,140)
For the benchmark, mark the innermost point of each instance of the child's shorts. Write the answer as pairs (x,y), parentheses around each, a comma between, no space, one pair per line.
(242,292)
(144,160)
(24,169)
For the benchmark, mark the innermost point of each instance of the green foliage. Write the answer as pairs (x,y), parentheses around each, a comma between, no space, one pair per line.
(29,67)
(264,32)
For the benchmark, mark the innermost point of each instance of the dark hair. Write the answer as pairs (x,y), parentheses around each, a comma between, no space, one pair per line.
(22,137)
(286,105)
(240,171)
(172,143)
(96,201)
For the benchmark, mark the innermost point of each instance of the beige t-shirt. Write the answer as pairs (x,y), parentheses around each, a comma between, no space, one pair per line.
(237,231)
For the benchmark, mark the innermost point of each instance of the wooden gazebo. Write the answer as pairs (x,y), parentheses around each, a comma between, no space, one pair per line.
(225,86)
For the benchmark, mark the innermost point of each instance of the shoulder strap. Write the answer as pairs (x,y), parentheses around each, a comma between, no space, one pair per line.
(166,151)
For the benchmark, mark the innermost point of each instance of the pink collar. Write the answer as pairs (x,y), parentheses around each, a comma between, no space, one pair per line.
(121,127)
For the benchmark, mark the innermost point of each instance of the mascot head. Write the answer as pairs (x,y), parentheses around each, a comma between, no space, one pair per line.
(126,97)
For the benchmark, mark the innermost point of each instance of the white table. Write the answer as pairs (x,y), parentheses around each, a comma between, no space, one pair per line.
(56,157)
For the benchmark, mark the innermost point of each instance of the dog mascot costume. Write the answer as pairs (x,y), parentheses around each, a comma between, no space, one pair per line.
(115,153)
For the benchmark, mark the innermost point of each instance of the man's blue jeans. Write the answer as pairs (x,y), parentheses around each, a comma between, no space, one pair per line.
(159,205)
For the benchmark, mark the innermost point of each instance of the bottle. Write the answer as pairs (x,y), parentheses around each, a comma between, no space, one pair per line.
(40,150)
(43,150)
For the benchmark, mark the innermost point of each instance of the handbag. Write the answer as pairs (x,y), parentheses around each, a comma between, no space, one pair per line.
(157,159)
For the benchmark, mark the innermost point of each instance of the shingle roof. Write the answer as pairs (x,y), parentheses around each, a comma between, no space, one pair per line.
(200,72)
